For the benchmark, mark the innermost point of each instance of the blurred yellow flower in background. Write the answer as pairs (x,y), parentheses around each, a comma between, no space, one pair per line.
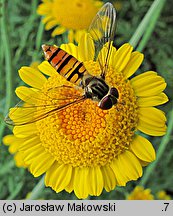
(162,195)
(72,16)
(139,193)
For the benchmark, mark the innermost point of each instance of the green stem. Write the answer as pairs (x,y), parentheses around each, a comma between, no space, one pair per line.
(35,193)
(150,28)
(38,41)
(151,16)
(8,62)
(28,27)
(8,58)
(2,83)
(39,35)
(165,140)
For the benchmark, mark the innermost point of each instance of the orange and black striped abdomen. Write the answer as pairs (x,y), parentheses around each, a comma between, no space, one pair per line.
(65,64)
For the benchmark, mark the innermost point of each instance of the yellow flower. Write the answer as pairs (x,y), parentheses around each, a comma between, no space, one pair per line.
(74,16)
(162,195)
(83,148)
(139,193)
(14,142)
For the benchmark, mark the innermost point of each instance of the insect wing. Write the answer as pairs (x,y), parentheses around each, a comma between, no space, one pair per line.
(37,106)
(102,31)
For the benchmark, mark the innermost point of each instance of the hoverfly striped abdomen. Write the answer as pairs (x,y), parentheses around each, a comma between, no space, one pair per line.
(65,64)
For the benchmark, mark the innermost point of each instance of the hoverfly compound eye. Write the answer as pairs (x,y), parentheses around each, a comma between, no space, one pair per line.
(114,92)
(109,100)
(105,103)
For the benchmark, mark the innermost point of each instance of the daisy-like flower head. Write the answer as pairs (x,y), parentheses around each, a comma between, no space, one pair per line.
(139,193)
(74,16)
(83,148)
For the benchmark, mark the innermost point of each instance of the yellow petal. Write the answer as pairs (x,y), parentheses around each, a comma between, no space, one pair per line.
(86,48)
(18,157)
(13,142)
(25,130)
(152,115)
(150,129)
(9,139)
(78,34)
(96,181)
(31,153)
(134,63)
(58,31)
(122,57)
(130,165)
(41,163)
(32,77)
(44,8)
(103,55)
(26,94)
(71,49)
(152,121)
(70,187)
(148,74)
(46,19)
(71,36)
(50,24)
(143,149)
(148,84)
(21,115)
(81,182)
(29,143)
(58,176)
(120,177)
(47,69)
(108,178)
(153,100)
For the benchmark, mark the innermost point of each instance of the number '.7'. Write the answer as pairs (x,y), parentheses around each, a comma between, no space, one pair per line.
(166,206)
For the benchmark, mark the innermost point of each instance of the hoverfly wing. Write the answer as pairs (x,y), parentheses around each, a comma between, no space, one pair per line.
(21,114)
(102,31)
(24,108)
(37,106)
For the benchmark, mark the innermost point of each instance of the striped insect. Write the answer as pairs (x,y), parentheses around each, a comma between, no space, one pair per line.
(102,32)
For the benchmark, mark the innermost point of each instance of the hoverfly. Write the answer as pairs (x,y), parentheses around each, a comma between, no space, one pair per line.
(102,32)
